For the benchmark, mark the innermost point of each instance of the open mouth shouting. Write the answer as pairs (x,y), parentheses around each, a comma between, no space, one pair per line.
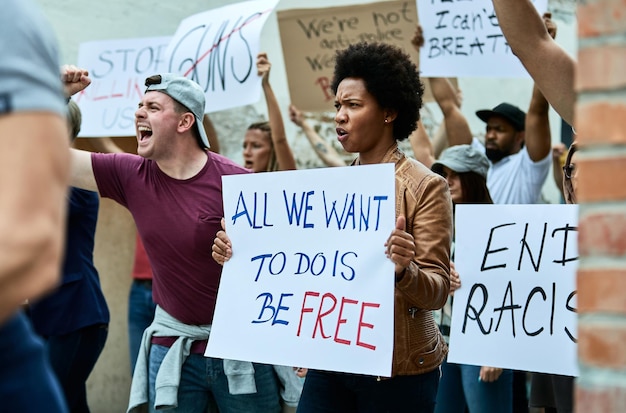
(342,135)
(144,132)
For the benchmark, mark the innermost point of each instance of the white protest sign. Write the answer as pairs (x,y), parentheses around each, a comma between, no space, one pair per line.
(516,307)
(118,69)
(308,284)
(463,39)
(218,50)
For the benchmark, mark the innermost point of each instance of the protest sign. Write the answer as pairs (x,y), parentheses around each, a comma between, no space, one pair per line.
(310,38)
(308,284)
(118,69)
(217,49)
(463,39)
(516,307)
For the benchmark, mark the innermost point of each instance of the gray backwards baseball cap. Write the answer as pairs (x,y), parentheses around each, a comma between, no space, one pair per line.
(186,92)
(462,158)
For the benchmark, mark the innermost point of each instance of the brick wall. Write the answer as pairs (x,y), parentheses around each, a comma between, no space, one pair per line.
(601,131)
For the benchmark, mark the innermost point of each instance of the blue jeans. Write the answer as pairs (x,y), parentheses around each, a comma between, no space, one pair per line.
(460,387)
(204,388)
(27,383)
(73,357)
(329,392)
(140,315)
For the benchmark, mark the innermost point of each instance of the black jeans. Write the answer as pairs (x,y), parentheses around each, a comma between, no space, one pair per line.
(326,392)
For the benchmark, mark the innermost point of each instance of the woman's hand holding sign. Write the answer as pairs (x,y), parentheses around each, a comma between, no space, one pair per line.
(455,280)
(400,247)
(222,248)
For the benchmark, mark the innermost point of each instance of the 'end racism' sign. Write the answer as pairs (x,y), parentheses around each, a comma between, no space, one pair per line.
(309,284)
(516,307)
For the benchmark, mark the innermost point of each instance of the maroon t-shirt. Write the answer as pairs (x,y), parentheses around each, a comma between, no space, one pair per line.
(177,221)
(141,266)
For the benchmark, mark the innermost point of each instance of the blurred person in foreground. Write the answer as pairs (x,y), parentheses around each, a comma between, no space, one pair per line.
(34,170)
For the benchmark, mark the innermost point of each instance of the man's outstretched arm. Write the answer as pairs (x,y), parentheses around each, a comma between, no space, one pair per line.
(548,64)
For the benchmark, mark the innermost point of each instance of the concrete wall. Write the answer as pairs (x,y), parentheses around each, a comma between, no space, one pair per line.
(80,21)
(109,384)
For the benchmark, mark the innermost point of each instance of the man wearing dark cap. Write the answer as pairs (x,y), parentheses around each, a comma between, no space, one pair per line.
(518,147)
(517,144)
(505,128)
(173,189)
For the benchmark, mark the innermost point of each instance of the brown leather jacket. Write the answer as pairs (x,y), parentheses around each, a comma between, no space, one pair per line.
(423,198)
